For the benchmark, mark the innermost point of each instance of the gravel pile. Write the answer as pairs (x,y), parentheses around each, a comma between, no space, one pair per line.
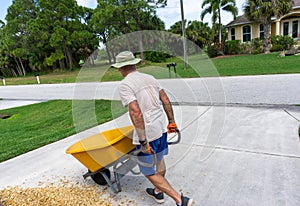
(63,193)
(53,196)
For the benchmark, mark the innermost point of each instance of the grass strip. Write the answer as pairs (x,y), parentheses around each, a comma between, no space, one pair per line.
(257,64)
(34,126)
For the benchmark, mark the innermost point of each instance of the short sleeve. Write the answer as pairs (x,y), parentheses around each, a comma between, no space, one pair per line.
(159,86)
(126,94)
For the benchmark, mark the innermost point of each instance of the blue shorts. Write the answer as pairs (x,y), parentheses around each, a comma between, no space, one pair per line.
(160,148)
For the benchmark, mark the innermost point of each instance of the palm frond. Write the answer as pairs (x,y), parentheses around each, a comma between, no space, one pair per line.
(208,10)
(232,9)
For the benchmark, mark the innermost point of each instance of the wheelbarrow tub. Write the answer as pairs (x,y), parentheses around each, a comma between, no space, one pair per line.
(101,150)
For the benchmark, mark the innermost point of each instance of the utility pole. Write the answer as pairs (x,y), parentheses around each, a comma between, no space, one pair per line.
(183,35)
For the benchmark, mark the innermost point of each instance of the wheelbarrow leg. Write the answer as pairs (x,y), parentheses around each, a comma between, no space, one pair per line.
(122,167)
(118,181)
(109,182)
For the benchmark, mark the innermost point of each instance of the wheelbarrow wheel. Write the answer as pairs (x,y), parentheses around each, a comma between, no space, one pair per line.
(99,179)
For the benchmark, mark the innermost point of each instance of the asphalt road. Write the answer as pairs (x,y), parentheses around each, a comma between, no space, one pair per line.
(253,90)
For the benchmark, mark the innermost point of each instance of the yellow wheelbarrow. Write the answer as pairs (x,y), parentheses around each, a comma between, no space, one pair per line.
(111,148)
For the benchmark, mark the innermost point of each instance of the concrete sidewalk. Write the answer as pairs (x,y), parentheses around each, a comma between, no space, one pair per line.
(227,156)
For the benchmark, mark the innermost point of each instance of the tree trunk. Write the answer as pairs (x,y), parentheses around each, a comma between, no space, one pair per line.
(19,72)
(141,47)
(108,53)
(68,56)
(62,64)
(22,67)
(13,72)
(267,31)
(140,40)
(220,25)
(107,47)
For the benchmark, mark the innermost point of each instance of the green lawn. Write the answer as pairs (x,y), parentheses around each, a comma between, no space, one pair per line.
(257,64)
(200,66)
(33,126)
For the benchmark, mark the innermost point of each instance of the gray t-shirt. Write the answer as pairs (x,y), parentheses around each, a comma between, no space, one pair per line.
(145,89)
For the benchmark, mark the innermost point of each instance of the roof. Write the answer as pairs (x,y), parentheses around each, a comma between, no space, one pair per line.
(296,3)
(240,20)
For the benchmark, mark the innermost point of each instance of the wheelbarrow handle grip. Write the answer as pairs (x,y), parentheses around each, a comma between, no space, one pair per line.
(135,157)
(135,153)
(178,138)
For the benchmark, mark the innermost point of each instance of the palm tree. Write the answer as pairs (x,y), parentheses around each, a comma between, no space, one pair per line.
(214,7)
(176,28)
(263,11)
(200,33)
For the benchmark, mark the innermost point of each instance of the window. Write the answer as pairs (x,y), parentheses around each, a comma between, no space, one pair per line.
(295,29)
(232,33)
(246,33)
(261,31)
(286,28)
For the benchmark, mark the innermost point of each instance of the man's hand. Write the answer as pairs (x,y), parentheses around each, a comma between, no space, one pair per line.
(172,127)
(145,147)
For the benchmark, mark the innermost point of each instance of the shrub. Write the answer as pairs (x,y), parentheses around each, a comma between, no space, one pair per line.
(156,56)
(257,45)
(214,50)
(280,43)
(233,47)
(246,48)
(5,72)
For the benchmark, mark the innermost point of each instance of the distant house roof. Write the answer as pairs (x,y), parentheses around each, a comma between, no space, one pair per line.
(240,20)
(296,3)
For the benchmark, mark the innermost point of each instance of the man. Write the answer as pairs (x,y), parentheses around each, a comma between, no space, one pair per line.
(143,96)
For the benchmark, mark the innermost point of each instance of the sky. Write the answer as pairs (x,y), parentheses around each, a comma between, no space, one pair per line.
(170,14)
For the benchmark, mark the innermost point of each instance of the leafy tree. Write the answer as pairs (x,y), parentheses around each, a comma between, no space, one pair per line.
(60,17)
(107,22)
(215,7)
(116,17)
(176,28)
(17,41)
(139,12)
(216,33)
(200,33)
(62,32)
(4,56)
(263,11)
(47,34)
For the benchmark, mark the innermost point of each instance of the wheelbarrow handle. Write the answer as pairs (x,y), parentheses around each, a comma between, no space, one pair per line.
(135,156)
(178,138)
(135,153)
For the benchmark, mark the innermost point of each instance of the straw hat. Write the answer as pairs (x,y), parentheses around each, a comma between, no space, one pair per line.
(125,58)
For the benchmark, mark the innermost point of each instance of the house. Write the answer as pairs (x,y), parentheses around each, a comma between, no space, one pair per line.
(243,29)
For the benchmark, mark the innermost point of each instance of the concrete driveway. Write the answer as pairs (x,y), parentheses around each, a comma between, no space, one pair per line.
(228,155)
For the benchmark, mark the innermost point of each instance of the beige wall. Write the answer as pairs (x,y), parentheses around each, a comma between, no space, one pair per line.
(273,29)
(255,30)
(239,31)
